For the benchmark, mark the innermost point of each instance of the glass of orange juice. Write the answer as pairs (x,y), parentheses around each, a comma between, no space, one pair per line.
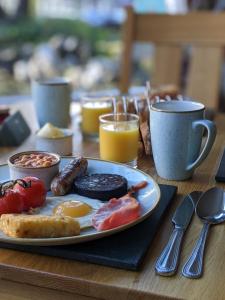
(92,108)
(119,138)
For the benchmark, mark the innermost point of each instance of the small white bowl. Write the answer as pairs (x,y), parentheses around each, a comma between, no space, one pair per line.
(62,145)
(46,174)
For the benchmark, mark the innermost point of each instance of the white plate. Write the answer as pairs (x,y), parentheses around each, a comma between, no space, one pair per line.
(148,198)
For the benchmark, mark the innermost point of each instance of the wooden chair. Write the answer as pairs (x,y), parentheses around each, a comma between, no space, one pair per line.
(204,31)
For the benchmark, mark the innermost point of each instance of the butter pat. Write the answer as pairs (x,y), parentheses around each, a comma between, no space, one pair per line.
(50,131)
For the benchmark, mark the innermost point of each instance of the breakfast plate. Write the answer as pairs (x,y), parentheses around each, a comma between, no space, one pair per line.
(148,198)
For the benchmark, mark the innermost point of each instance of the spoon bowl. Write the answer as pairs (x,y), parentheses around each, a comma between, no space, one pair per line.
(210,209)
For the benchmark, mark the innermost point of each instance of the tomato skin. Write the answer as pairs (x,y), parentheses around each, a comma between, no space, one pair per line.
(32,196)
(11,202)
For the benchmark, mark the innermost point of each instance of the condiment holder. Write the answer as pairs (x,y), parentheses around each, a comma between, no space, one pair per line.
(61,145)
(53,139)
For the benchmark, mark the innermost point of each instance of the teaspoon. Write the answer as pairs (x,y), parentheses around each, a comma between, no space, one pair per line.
(211,210)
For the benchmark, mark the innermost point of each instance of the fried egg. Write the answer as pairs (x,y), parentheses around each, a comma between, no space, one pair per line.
(72,208)
(73,205)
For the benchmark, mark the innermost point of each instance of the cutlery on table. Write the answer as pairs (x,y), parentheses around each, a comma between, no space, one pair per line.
(167,262)
(211,210)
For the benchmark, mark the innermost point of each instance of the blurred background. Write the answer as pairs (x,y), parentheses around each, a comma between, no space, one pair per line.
(78,39)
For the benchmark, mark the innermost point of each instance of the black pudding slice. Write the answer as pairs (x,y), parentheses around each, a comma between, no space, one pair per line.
(101,186)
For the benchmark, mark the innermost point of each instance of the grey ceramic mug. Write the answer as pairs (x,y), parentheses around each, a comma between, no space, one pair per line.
(52,101)
(176,135)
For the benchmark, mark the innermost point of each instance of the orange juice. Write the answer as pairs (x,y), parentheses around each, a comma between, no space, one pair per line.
(90,115)
(119,142)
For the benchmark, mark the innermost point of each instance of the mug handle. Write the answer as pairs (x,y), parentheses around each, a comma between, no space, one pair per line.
(211,135)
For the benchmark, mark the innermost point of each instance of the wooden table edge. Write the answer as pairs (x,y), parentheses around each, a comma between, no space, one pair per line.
(72,285)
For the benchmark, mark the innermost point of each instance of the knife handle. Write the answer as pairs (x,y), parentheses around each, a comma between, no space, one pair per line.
(166,264)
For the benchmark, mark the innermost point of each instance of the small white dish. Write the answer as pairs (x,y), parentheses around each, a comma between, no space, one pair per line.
(61,145)
(46,174)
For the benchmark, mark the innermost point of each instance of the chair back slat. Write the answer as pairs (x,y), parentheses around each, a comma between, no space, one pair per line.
(128,40)
(198,28)
(203,81)
(167,65)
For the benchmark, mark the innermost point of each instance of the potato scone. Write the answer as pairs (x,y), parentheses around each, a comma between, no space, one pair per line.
(38,226)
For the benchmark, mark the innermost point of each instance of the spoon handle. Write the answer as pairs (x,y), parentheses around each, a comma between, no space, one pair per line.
(194,266)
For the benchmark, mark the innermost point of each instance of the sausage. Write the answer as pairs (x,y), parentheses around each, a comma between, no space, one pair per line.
(62,183)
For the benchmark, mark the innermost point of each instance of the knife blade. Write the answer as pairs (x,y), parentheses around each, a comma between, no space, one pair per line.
(166,264)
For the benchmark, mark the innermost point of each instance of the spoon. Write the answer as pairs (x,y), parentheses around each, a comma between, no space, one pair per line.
(211,210)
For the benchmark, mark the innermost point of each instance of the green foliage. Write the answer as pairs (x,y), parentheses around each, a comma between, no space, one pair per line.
(19,32)
(37,30)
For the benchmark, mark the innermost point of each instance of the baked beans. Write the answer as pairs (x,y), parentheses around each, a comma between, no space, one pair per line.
(35,160)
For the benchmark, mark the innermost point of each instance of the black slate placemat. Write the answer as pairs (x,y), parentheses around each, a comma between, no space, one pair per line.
(124,250)
(220,175)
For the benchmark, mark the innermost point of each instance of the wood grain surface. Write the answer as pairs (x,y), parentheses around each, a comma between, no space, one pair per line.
(195,27)
(167,65)
(205,59)
(24,275)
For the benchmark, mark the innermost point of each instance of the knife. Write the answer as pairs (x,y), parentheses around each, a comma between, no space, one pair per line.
(166,264)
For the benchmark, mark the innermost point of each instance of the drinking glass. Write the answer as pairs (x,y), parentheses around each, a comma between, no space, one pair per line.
(92,108)
(119,138)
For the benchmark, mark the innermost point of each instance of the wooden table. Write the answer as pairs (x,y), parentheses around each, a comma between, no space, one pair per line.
(30,276)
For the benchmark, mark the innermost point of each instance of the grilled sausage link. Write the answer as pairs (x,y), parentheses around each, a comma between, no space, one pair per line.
(63,182)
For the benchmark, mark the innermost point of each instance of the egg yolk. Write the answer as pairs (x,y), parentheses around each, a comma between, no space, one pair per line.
(72,208)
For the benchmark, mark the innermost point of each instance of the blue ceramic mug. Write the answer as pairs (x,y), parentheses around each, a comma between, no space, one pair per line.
(52,101)
(176,135)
